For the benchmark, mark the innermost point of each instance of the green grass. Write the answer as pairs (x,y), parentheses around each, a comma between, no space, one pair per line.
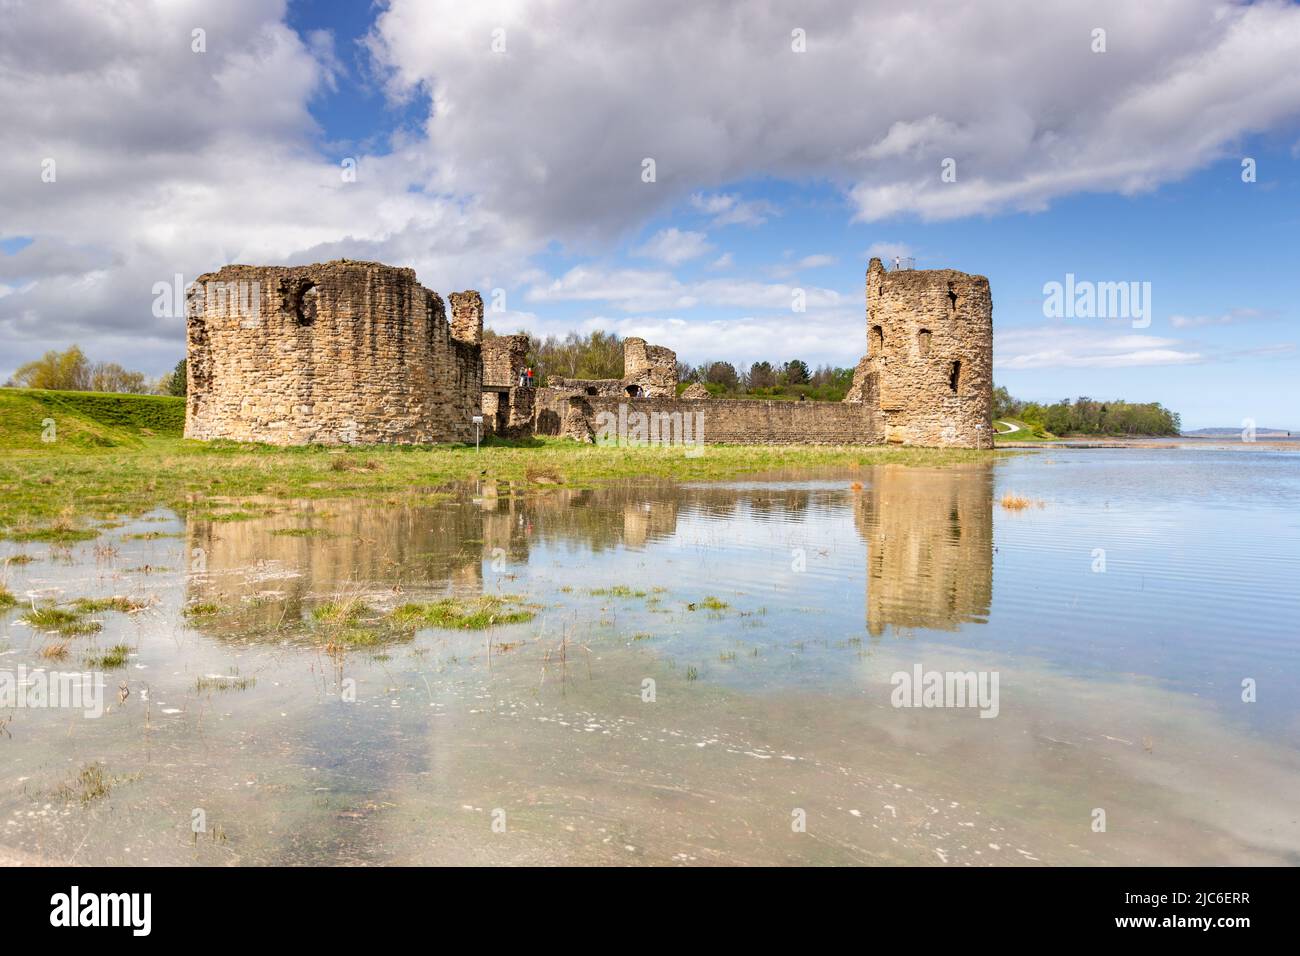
(85,420)
(7,599)
(95,605)
(1023,432)
(130,460)
(710,603)
(115,656)
(233,682)
(360,637)
(61,620)
(347,611)
(466,614)
(618,590)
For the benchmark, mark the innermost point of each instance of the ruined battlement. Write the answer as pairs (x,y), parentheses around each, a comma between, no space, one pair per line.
(336,353)
(929,362)
(360,352)
(504,357)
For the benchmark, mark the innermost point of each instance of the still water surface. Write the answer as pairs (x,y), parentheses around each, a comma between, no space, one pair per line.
(1121,618)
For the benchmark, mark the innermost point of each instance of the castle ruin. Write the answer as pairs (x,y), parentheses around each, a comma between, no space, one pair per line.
(359,352)
(929,363)
(334,353)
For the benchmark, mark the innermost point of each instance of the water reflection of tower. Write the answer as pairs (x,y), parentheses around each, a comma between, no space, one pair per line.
(929,537)
(609,518)
(275,572)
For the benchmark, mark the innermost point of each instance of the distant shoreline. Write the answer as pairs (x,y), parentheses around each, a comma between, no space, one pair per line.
(1153,441)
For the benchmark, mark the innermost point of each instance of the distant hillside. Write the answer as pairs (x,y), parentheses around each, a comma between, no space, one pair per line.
(83,420)
(1225,432)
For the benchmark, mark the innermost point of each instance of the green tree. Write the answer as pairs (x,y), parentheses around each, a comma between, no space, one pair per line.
(175,383)
(796,372)
(111,377)
(761,375)
(722,373)
(68,371)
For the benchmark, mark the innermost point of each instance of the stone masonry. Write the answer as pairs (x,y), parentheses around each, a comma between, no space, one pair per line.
(507,408)
(359,352)
(336,353)
(927,378)
(929,362)
(650,369)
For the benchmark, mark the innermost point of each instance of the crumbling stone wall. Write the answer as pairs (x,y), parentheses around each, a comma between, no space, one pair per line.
(508,412)
(611,387)
(929,356)
(651,369)
(738,421)
(695,392)
(504,357)
(335,352)
(344,352)
(507,408)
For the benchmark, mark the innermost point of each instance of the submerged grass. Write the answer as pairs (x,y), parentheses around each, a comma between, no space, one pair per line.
(125,605)
(618,590)
(54,651)
(465,614)
(222,683)
(61,621)
(1015,502)
(115,656)
(90,784)
(344,611)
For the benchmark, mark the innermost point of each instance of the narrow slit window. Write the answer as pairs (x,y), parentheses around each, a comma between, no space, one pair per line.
(954,375)
(923,343)
(877,340)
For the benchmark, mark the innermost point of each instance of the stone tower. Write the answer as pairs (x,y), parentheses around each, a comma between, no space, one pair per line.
(649,369)
(334,353)
(929,363)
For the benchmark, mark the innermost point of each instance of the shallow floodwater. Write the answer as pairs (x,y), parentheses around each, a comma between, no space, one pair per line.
(709,677)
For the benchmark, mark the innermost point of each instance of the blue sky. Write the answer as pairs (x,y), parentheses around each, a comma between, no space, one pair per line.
(519,171)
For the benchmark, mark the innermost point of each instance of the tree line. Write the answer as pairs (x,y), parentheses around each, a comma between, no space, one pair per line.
(71,371)
(600,355)
(1087,416)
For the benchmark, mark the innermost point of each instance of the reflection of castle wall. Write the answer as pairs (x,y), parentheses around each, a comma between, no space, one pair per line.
(929,546)
(600,519)
(648,520)
(359,544)
(929,535)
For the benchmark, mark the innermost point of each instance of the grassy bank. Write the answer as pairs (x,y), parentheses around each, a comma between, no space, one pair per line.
(65,490)
(1022,432)
(63,422)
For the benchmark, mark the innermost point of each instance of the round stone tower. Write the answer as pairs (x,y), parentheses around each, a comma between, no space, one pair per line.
(930,353)
(334,353)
